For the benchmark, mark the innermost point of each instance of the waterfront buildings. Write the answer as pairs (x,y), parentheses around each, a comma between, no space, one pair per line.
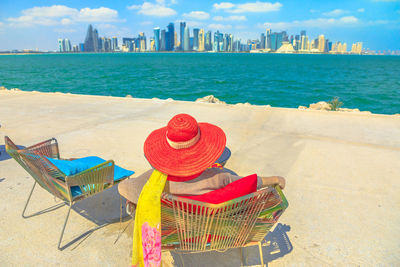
(169,40)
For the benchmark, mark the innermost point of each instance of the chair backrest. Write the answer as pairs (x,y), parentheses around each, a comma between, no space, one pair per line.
(197,226)
(33,160)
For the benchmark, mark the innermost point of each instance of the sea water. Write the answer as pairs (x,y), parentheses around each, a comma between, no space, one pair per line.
(365,82)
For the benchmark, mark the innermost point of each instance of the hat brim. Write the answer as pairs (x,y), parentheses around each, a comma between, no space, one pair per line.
(186,161)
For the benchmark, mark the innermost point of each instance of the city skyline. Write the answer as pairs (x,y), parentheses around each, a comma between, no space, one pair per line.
(30,26)
(207,41)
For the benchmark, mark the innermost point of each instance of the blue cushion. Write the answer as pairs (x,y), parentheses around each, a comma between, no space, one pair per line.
(71,167)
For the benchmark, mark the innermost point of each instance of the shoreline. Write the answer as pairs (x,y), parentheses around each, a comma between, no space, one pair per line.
(320,106)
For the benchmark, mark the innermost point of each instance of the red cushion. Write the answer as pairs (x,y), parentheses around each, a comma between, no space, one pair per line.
(239,188)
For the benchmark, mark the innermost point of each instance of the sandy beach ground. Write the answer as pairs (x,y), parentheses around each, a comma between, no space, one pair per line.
(342,171)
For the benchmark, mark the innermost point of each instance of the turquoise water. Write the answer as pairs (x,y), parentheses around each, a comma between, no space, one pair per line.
(365,82)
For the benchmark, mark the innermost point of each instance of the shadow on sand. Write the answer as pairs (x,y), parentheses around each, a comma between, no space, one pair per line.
(276,244)
(4,155)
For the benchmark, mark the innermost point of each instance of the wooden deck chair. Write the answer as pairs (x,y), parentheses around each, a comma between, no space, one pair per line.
(70,189)
(193,226)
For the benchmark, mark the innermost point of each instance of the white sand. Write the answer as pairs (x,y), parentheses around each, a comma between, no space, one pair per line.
(342,171)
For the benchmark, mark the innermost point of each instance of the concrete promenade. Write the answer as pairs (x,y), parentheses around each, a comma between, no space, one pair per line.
(342,171)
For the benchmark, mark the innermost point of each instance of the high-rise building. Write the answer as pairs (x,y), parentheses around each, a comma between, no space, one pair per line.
(82,47)
(262,41)
(152,45)
(268,39)
(157,39)
(190,43)
(201,41)
(276,40)
(114,44)
(176,43)
(195,39)
(216,42)
(321,43)
(91,40)
(68,46)
(208,42)
(182,33)
(61,45)
(303,33)
(163,41)
(142,45)
(186,39)
(170,40)
(356,48)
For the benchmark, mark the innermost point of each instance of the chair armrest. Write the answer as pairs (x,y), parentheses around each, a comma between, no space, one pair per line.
(93,180)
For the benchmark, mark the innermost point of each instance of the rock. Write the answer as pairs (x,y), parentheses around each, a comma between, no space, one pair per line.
(302,107)
(366,112)
(128,96)
(3,88)
(322,105)
(210,99)
(15,89)
(169,99)
(268,106)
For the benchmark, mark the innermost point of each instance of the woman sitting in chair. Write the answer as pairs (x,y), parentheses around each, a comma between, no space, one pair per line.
(186,151)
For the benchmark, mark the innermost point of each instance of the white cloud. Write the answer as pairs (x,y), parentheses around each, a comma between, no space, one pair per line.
(360,10)
(146,23)
(223,5)
(230,18)
(201,15)
(156,10)
(335,13)
(348,19)
(220,27)
(240,27)
(193,24)
(312,23)
(254,7)
(50,11)
(62,15)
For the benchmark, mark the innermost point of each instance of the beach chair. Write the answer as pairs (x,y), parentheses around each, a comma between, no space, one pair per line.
(70,189)
(191,226)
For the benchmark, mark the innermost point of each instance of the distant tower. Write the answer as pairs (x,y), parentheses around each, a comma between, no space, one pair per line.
(186,39)
(201,40)
(91,43)
(182,33)
(268,38)
(68,47)
(142,44)
(157,39)
(115,43)
(321,43)
(61,47)
(208,43)
(171,37)
(163,40)
(262,41)
(195,39)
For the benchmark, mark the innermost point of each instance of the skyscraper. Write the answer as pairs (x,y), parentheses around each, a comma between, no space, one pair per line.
(268,39)
(61,46)
(321,43)
(68,46)
(91,40)
(201,41)
(195,39)
(142,45)
(216,41)
(114,43)
(262,41)
(182,33)
(170,37)
(208,43)
(157,39)
(163,40)
(186,39)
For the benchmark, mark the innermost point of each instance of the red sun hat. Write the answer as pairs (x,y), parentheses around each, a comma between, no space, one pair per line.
(184,147)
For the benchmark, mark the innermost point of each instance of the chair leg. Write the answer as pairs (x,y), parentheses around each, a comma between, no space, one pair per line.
(65,223)
(26,204)
(241,257)
(261,254)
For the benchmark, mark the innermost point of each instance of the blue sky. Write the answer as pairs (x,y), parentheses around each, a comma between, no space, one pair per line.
(38,24)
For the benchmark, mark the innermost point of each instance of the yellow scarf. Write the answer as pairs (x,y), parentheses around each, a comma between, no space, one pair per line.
(147,231)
